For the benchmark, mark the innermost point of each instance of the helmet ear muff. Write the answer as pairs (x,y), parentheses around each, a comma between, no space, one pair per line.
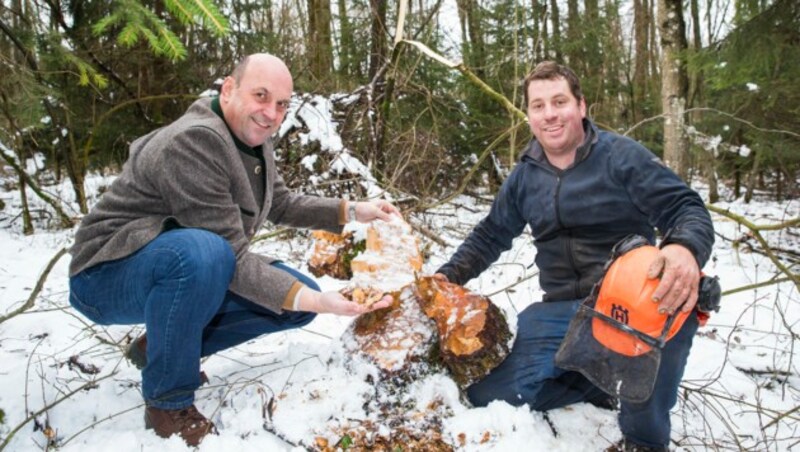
(627,320)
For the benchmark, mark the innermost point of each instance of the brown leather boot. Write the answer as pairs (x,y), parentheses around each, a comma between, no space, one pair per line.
(188,423)
(624,445)
(136,353)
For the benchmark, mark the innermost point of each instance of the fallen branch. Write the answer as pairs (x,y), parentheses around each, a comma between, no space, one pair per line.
(756,286)
(754,228)
(515,283)
(429,234)
(784,415)
(39,284)
(33,416)
(272,234)
(66,221)
(96,423)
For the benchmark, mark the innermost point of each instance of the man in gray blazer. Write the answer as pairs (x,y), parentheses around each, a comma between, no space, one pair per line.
(167,245)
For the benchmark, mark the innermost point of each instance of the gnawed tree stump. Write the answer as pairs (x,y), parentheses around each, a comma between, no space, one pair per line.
(432,324)
(398,340)
(469,332)
(432,327)
(473,333)
(333,254)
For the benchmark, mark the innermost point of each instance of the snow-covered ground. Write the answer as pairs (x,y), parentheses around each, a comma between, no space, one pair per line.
(65,379)
(741,380)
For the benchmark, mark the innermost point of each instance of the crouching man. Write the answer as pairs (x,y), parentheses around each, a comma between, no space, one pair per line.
(167,245)
(581,190)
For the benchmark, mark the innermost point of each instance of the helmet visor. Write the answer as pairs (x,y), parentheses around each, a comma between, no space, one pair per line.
(629,377)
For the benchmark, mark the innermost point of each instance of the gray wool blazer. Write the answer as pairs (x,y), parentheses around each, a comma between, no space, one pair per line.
(190,173)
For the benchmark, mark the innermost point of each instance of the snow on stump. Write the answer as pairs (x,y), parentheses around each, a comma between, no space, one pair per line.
(333,253)
(431,322)
(433,328)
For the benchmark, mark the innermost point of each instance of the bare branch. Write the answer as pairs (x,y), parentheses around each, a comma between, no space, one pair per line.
(39,284)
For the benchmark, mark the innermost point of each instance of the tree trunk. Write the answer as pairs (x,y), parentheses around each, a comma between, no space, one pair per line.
(346,44)
(613,57)
(710,164)
(573,52)
(752,177)
(319,40)
(539,27)
(473,47)
(27,222)
(674,85)
(76,167)
(556,29)
(593,60)
(378,50)
(641,55)
(695,89)
(653,55)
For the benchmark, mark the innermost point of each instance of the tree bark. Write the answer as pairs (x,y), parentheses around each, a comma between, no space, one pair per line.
(674,85)
(473,46)
(346,44)
(556,29)
(539,21)
(752,177)
(378,50)
(573,51)
(319,37)
(27,222)
(641,55)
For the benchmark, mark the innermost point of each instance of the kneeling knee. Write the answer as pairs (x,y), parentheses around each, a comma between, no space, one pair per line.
(204,254)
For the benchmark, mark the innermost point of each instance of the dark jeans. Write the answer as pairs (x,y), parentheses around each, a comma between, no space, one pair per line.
(529,375)
(177,285)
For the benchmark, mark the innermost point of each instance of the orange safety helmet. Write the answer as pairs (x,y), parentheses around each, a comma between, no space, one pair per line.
(626,318)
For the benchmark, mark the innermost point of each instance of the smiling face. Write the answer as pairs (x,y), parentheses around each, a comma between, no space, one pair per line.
(255,106)
(556,119)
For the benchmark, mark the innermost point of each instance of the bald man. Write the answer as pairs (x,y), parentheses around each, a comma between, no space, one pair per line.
(168,243)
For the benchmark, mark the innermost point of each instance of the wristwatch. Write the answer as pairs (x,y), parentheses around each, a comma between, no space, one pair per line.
(351,211)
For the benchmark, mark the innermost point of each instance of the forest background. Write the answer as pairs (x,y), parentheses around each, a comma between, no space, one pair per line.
(429,90)
(427,93)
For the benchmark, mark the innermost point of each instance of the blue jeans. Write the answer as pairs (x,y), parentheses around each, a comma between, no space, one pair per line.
(529,375)
(177,285)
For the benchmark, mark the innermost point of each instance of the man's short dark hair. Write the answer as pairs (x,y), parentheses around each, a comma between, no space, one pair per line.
(550,70)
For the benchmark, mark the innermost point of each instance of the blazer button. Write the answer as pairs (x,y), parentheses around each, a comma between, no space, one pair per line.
(258,169)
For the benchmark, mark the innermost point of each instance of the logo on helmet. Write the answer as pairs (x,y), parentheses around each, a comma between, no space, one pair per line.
(619,313)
